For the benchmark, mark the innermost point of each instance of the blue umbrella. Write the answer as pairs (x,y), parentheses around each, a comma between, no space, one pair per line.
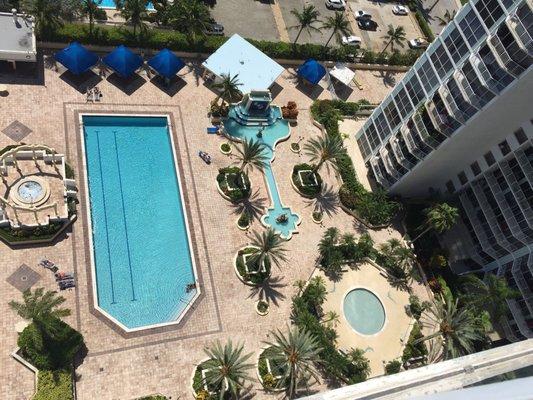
(76,58)
(312,71)
(166,63)
(123,61)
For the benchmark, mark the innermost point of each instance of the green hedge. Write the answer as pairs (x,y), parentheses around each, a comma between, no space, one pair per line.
(54,385)
(411,349)
(160,38)
(39,233)
(424,26)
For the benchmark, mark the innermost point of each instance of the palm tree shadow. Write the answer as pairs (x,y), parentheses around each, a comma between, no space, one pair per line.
(254,206)
(248,393)
(359,227)
(50,62)
(388,78)
(269,290)
(196,71)
(326,202)
(399,284)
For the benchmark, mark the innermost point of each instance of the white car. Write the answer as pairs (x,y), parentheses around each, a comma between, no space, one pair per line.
(418,43)
(399,10)
(351,40)
(336,4)
(360,14)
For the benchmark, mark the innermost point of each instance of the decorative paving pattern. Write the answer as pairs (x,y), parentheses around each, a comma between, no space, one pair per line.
(16,131)
(23,278)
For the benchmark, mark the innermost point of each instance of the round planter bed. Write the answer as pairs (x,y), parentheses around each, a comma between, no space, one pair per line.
(296,148)
(262,307)
(244,221)
(233,184)
(317,217)
(306,182)
(249,274)
(198,388)
(225,148)
(267,372)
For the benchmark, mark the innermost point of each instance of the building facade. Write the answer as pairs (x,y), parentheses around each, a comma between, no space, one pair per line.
(460,125)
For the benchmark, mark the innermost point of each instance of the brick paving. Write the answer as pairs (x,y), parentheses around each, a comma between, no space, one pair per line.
(121,366)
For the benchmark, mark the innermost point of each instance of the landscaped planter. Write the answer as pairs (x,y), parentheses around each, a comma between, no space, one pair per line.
(225,148)
(295,148)
(233,184)
(317,217)
(305,181)
(248,274)
(262,307)
(267,375)
(244,222)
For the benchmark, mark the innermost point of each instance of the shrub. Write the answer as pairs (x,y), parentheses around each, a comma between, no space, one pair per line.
(411,349)
(244,220)
(236,185)
(307,189)
(416,308)
(318,215)
(262,306)
(393,367)
(39,233)
(295,146)
(54,385)
(255,279)
(69,172)
(290,111)
(50,345)
(225,147)
(424,26)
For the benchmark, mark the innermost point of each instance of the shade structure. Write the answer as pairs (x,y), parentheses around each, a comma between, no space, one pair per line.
(166,63)
(312,71)
(76,58)
(123,61)
(342,73)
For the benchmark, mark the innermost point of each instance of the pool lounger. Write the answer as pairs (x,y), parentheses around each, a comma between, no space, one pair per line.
(212,129)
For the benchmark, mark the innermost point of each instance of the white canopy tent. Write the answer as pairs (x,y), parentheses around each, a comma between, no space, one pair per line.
(342,73)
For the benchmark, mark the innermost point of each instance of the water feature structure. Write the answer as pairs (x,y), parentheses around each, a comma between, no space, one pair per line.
(255,118)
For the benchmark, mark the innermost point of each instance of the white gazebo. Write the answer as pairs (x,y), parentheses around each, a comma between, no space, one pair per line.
(342,74)
(17,38)
(256,70)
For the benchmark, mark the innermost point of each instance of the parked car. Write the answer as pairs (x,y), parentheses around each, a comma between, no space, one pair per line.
(214,29)
(335,4)
(351,40)
(360,14)
(418,43)
(367,24)
(399,10)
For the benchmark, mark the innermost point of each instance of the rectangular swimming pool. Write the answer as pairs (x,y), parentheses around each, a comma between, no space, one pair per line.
(111,4)
(142,255)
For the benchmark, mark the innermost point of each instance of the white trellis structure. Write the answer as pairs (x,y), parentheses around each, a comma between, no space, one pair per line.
(10,212)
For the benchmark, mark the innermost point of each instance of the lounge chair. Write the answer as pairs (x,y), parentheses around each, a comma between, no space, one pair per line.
(212,130)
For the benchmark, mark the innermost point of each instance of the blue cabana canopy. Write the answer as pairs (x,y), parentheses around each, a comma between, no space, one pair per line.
(123,61)
(166,63)
(76,58)
(312,71)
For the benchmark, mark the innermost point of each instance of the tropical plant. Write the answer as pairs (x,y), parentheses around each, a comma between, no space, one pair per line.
(40,305)
(251,154)
(49,14)
(228,88)
(339,25)
(397,255)
(490,294)
(191,17)
(440,217)
(306,20)
(226,368)
(324,150)
(331,319)
(163,11)
(90,9)
(360,362)
(394,35)
(268,245)
(393,367)
(447,17)
(297,353)
(134,12)
(458,327)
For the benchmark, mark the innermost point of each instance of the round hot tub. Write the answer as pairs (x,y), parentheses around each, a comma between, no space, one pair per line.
(364,311)
(31,190)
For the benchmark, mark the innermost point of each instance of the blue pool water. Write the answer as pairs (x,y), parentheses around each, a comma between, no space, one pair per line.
(270,135)
(364,311)
(111,4)
(141,249)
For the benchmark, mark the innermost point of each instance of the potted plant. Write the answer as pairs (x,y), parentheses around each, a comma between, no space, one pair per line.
(225,148)
(290,111)
(317,216)
(295,147)
(244,221)
(262,307)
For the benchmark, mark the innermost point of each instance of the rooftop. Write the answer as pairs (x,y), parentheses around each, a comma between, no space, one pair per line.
(17,38)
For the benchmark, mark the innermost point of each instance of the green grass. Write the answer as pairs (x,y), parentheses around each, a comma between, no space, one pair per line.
(54,385)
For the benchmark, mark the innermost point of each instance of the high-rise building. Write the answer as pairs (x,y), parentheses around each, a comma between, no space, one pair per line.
(460,125)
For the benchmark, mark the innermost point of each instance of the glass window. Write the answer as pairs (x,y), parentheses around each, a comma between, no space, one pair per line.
(456,45)
(450,187)
(392,114)
(520,136)
(462,178)
(489,158)
(381,126)
(490,11)
(403,103)
(472,28)
(427,76)
(504,147)
(441,61)
(372,137)
(415,90)
(475,168)
(363,146)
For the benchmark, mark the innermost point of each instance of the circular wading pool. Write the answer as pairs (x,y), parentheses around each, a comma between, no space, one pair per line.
(364,311)
(30,191)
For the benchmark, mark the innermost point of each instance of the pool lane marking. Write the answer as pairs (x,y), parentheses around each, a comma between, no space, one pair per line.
(124,215)
(105,217)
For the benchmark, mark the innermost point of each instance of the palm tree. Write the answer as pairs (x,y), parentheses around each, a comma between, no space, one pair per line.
(296,353)
(90,9)
(251,153)
(396,251)
(228,88)
(40,305)
(394,36)
(134,12)
(163,11)
(268,245)
(324,149)
(226,368)
(439,217)
(191,17)
(489,294)
(447,17)
(331,319)
(458,327)
(45,12)
(306,18)
(339,25)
